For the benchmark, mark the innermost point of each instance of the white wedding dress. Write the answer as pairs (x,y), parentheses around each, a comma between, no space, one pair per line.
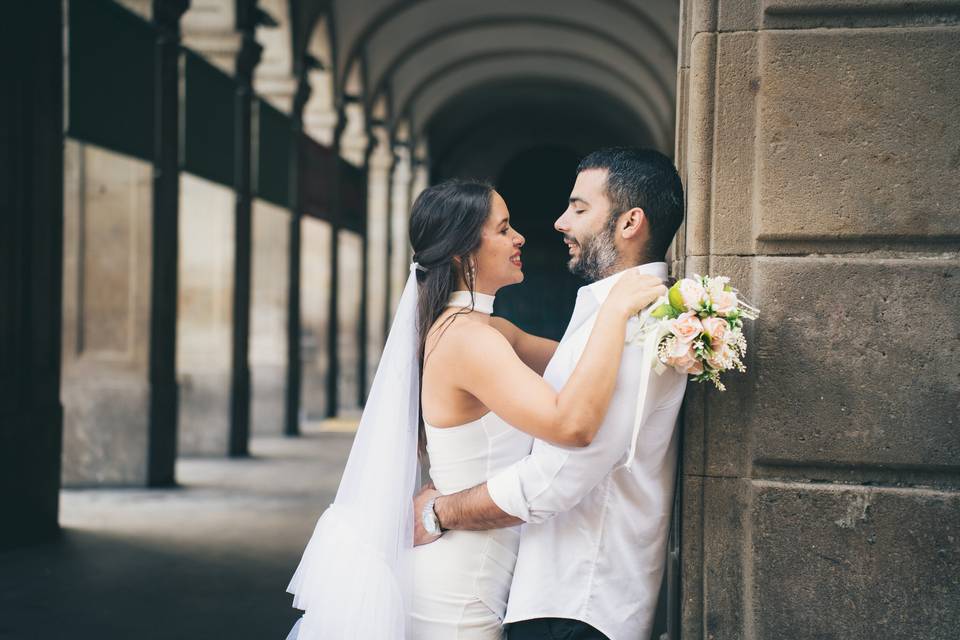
(461,581)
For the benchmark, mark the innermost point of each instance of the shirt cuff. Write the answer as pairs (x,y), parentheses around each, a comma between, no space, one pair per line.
(506,492)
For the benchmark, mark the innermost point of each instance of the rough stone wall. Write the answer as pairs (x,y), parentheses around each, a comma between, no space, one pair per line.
(819,142)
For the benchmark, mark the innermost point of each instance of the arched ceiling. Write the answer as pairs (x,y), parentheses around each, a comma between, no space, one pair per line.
(421,55)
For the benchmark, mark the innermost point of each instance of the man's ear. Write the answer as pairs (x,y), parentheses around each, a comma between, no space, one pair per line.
(632,223)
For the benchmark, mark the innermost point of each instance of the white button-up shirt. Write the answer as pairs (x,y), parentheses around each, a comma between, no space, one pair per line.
(593,548)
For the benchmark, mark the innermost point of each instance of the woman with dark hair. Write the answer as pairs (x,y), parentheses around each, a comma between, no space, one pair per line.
(483,400)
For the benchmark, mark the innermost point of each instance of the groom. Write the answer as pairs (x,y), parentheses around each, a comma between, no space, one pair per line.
(593,549)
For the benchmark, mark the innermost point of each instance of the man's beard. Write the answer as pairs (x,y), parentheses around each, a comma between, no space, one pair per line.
(598,255)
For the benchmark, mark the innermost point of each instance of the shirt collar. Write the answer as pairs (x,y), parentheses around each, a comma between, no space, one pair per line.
(601,288)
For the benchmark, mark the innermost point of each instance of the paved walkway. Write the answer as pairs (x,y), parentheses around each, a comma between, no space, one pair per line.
(208,560)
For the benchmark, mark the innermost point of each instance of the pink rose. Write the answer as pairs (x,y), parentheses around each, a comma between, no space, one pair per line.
(686,327)
(692,293)
(716,328)
(724,302)
(696,368)
(682,357)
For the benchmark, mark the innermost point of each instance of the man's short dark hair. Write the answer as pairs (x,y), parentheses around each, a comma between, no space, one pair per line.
(642,178)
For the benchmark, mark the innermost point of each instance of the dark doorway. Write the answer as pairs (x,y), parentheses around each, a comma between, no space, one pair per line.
(536,184)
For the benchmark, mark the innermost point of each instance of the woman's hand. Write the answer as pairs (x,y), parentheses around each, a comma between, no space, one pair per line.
(420,535)
(633,292)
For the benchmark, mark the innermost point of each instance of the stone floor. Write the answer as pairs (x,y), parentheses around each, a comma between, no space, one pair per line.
(210,559)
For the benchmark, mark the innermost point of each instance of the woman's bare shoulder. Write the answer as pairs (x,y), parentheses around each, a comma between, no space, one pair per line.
(461,334)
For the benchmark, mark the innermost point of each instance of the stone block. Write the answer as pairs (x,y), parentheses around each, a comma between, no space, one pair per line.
(754,15)
(876,157)
(854,562)
(816,14)
(699,129)
(805,561)
(774,166)
(737,84)
(852,366)
(715,558)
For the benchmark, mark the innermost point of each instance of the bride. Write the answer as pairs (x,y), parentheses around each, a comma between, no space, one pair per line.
(360,576)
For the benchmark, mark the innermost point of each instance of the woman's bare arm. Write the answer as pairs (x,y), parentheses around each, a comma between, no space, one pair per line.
(534,351)
(484,364)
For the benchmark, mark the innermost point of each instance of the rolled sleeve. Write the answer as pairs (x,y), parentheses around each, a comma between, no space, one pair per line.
(506,491)
(524,489)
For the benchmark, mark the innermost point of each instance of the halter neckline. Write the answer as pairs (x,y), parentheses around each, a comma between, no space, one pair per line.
(479,302)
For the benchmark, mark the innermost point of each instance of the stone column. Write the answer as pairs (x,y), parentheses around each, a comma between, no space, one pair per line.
(354,146)
(31,236)
(399,225)
(120,302)
(247,59)
(162,443)
(378,220)
(333,333)
(273,235)
(819,147)
(292,409)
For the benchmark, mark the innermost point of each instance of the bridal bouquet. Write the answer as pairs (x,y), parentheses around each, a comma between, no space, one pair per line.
(698,328)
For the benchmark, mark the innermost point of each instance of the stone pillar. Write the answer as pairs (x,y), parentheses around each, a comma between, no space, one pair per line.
(399,225)
(292,409)
(31,236)
(354,146)
(333,338)
(247,59)
(420,179)
(819,148)
(378,220)
(162,442)
(120,298)
(333,327)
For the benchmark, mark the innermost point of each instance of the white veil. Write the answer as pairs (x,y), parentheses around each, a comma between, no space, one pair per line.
(354,580)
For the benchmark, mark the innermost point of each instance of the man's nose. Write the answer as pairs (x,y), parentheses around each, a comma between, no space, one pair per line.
(560,224)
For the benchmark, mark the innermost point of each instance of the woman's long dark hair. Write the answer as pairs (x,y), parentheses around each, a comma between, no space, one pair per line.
(445,229)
